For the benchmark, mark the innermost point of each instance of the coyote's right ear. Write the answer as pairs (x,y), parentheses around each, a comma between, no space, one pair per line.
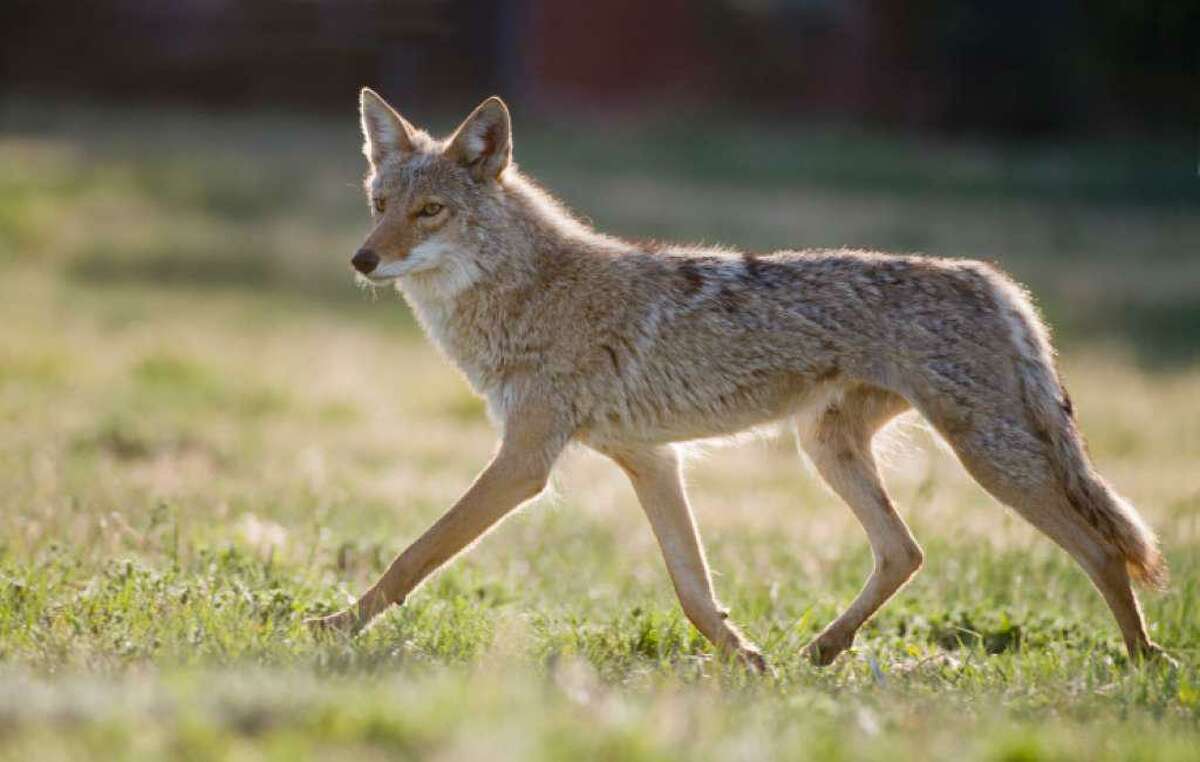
(384,131)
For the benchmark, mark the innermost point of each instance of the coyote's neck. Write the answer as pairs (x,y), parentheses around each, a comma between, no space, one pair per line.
(448,321)
(552,227)
(470,315)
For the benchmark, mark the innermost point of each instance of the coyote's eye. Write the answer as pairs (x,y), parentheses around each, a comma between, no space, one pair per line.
(379,203)
(431,209)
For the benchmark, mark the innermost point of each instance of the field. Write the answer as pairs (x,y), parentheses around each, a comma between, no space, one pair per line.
(208,433)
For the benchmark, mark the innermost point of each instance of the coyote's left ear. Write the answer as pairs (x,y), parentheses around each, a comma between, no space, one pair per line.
(483,142)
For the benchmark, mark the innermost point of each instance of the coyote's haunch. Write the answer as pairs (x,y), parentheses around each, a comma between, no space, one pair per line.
(575,336)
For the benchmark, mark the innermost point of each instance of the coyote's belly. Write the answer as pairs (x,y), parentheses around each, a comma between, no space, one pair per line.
(678,408)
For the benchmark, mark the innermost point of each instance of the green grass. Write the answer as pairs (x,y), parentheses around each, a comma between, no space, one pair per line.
(208,433)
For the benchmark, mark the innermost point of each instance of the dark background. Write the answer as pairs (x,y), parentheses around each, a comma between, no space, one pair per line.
(1017,68)
(214,143)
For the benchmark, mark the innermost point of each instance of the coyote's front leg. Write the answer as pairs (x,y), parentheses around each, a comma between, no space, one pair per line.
(655,473)
(519,471)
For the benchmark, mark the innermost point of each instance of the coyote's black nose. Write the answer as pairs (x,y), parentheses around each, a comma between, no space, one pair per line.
(365,261)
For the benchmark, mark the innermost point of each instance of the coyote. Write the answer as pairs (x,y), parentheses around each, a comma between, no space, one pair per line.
(629,348)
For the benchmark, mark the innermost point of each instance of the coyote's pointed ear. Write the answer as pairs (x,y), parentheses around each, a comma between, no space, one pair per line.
(384,131)
(483,142)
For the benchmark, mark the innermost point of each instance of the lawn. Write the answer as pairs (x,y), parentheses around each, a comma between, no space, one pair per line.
(209,432)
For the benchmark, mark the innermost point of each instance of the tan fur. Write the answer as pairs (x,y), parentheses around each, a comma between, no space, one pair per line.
(573,336)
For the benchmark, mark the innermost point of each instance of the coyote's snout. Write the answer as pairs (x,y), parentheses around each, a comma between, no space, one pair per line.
(574,336)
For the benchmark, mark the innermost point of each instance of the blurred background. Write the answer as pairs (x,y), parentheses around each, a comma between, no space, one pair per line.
(1022,68)
(1057,137)
(207,431)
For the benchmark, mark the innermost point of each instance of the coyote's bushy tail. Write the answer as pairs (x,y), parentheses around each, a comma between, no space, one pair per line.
(1113,518)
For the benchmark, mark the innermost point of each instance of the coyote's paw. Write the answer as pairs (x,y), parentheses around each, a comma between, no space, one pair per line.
(755,662)
(1152,653)
(345,623)
(826,648)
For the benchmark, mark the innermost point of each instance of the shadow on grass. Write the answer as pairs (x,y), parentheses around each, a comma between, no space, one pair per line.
(715,150)
(177,267)
(240,271)
(1163,335)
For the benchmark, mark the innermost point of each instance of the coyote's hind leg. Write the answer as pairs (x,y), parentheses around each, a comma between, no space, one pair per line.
(655,473)
(1020,475)
(839,444)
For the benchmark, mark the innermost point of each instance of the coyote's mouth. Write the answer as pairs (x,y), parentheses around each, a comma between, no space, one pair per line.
(375,280)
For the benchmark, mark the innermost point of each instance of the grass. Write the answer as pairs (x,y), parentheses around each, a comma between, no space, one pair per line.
(208,433)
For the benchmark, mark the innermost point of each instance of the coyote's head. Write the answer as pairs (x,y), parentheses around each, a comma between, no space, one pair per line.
(438,205)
